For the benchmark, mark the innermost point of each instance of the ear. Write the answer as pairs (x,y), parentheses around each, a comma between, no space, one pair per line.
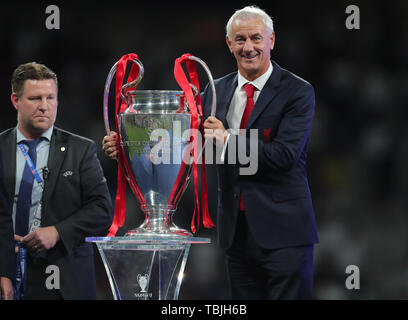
(14,100)
(272,40)
(229,43)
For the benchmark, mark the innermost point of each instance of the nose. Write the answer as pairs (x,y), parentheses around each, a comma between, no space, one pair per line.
(43,105)
(248,46)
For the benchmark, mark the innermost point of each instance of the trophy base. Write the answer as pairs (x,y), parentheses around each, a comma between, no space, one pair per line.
(174,231)
(158,225)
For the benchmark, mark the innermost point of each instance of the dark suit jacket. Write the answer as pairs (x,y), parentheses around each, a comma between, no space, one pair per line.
(277,198)
(75,200)
(6,231)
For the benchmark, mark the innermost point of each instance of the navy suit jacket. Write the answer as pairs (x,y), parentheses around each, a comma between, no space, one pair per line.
(75,200)
(277,198)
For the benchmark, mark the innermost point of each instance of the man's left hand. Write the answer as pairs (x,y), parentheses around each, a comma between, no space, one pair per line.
(41,239)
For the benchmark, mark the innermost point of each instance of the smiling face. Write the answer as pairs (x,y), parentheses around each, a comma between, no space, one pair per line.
(251,45)
(36,107)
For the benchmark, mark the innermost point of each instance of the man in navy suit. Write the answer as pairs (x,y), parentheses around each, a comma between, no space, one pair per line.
(265,218)
(265,221)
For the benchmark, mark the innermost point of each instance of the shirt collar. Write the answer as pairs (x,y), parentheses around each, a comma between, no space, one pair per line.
(259,82)
(47,135)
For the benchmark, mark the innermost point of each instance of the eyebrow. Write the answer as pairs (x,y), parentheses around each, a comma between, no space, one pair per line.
(33,96)
(251,36)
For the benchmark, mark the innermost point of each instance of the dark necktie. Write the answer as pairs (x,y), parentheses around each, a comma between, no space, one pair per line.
(24,194)
(249,89)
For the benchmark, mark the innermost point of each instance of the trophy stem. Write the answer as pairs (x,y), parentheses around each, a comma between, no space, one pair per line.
(158,222)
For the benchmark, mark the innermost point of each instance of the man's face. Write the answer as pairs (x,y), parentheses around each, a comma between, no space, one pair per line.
(251,46)
(37,107)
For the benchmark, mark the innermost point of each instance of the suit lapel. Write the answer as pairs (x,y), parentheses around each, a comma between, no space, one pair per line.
(223,104)
(268,92)
(58,149)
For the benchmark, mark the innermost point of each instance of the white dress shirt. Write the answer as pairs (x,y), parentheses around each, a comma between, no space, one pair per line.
(239,100)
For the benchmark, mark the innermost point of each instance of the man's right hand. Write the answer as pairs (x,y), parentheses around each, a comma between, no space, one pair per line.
(109,145)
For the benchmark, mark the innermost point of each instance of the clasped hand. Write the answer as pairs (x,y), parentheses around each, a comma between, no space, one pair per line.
(39,240)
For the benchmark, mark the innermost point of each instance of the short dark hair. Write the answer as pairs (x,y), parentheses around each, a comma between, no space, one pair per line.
(30,71)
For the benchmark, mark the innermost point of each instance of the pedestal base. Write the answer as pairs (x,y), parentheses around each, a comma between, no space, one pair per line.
(145,267)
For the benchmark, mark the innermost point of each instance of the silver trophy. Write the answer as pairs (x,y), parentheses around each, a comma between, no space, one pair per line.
(155,142)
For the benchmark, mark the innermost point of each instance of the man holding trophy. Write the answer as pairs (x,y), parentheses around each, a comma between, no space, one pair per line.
(265,220)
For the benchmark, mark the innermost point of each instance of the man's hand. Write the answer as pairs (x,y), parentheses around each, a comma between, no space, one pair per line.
(109,145)
(41,239)
(214,131)
(6,289)
(19,239)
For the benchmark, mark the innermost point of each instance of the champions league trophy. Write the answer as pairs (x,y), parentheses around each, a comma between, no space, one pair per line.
(156,151)
(159,146)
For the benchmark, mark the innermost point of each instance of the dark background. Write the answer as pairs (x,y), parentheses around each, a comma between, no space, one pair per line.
(358,147)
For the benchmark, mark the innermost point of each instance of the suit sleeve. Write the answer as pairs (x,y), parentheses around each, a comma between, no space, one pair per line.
(95,215)
(286,147)
(6,232)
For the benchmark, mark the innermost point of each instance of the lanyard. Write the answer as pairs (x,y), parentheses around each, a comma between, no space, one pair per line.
(30,164)
(19,286)
(37,214)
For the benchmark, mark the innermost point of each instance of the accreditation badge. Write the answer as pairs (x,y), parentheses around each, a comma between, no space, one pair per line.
(37,219)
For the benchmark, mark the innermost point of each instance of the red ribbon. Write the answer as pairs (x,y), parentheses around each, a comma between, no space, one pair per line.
(196,111)
(124,172)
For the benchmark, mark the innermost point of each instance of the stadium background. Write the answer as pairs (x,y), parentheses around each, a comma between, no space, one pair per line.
(357,160)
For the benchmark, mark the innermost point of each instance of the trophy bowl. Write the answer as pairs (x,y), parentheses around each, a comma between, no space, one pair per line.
(151,131)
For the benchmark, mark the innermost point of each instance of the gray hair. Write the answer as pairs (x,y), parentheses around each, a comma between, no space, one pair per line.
(250,12)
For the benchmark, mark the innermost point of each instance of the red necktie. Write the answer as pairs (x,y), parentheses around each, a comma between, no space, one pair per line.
(249,89)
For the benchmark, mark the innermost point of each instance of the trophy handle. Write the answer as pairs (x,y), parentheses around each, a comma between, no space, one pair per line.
(211,82)
(134,83)
(122,91)
(214,97)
